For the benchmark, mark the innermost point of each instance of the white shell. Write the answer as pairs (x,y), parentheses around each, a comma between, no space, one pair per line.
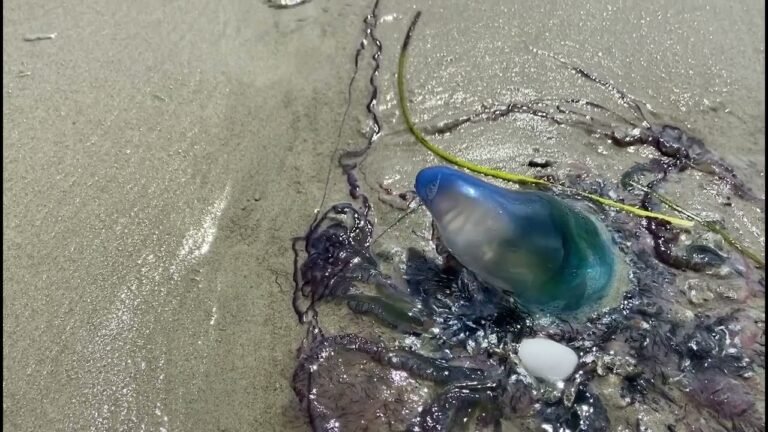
(547,359)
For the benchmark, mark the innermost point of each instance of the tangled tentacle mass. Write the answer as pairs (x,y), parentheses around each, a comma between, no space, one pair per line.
(645,362)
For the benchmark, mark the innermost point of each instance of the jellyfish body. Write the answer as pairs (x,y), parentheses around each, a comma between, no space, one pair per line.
(531,245)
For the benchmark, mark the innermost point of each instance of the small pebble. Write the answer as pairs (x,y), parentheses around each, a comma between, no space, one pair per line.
(38,37)
(547,359)
(285,4)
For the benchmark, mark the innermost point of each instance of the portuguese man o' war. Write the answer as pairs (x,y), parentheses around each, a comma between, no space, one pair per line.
(431,342)
(530,244)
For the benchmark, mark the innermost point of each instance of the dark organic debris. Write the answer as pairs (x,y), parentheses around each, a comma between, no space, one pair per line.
(540,163)
(586,413)
(388,389)
(725,396)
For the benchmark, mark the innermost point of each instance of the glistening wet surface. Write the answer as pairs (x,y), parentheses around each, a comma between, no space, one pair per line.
(159,159)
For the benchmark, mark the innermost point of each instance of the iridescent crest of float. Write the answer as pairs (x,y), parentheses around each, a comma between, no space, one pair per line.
(530,244)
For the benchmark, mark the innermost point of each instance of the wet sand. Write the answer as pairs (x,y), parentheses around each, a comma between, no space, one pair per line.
(157,161)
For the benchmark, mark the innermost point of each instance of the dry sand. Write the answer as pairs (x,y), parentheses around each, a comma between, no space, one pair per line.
(159,156)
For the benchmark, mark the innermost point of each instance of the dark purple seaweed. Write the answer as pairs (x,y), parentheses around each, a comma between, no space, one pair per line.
(345,382)
(586,414)
(721,394)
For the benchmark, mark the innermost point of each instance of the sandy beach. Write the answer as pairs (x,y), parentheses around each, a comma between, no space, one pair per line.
(158,159)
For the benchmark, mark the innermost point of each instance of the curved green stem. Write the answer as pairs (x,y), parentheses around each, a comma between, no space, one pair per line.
(706,224)
(490,172)
(521,179)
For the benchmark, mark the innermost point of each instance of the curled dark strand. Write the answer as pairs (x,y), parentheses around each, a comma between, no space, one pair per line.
(315,221)
(496,113)
(337,278)
(409,32)
(369,24)
(627,100)
(588,119)
(588,128)
(352,159)
(297,282)
(587,103)
(716,168)
(358,53)
(447,126)
(585,125)
(489,114)
(663,235)
(664,238)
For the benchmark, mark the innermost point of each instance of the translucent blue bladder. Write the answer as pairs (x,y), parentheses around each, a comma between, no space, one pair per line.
(539,249)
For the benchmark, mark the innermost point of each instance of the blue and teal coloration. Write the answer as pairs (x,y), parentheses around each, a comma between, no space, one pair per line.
(532,245)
